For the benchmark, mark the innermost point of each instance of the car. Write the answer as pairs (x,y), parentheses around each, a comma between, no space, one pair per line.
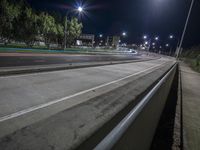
(132,51)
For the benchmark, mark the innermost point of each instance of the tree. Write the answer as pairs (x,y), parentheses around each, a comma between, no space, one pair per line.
(60,34)
(74,30)
(27,26)
(8,14)
(19,22)
(48,28)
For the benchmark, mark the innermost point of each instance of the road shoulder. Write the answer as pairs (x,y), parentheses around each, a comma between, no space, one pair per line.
(190,105)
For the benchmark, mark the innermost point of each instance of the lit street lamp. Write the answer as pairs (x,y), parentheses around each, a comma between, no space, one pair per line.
(147,42)
(156,38)
(171,36)
(124,34)
(80,10)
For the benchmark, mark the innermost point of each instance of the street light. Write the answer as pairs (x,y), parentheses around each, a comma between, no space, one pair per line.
(124,34)
(184,30)
(171,36)
(167,45)
(80,10)
(147,42)
(156,38)
(100,35)
(153,44)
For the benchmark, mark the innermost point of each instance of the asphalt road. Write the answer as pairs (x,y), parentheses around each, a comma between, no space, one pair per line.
(33,98)
(23,91)
(17,59)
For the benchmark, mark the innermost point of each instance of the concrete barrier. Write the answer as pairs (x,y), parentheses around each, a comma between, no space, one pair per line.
(140,133)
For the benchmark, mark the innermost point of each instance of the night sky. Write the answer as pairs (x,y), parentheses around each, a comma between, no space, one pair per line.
(136,17)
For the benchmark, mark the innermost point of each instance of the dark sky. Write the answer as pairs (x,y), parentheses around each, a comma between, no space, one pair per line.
(136,17)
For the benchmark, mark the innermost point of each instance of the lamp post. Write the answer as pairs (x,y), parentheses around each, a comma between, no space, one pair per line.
(172,37)
(80,10)
(185,27)
(148,42)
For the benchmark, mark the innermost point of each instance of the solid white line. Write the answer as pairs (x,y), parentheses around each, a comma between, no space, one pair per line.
(28,110)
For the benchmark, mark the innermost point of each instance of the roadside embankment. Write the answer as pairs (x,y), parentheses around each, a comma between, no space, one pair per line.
(192,58)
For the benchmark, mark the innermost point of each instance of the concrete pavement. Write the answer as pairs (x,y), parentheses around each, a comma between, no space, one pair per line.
(191,107)
(21,63)
(23,91)
(44,110)
(31,59)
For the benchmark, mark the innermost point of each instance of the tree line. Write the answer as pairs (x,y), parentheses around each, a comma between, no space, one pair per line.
(19,22)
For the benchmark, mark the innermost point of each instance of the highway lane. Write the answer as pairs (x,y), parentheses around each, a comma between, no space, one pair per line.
(27,59)
(28,99)
(24,91)
(42,109)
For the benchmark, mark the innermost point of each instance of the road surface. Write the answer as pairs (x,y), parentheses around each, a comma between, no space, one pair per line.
(28,59)
(190,107)
(50,108)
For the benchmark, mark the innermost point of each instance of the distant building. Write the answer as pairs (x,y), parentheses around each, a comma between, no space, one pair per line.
(100,41)
(85,40)
(112,41)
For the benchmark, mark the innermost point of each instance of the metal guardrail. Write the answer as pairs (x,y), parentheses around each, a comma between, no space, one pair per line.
(114,136)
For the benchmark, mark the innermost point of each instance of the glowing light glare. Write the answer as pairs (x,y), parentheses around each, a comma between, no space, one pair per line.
(167,45)
(80,9)
(144,37)
(153,44)
(100,35)
(156,38)
(124,33)
(171,36)
(146,42)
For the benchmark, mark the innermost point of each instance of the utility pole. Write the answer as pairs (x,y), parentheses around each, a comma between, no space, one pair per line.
(80,10)
(65,32)
(185,27)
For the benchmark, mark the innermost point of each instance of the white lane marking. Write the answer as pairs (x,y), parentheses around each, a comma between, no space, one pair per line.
(28,110)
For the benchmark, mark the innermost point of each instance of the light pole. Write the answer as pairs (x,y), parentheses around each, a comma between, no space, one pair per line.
(124,34)
(172,37)
(80,10)
(148,42)
(65,32)
(185,27)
